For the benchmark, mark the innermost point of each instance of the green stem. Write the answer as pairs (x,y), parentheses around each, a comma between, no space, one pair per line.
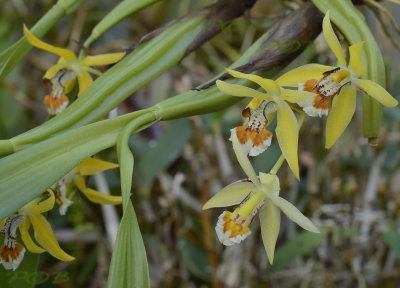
(277,165)
(282,159)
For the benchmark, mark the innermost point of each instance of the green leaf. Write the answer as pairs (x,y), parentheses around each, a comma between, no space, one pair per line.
(12,114)
(133,72)
(194,259)
(129,263)
(120,12)
(299,245)
(392,238)
(163,151)
(27,173)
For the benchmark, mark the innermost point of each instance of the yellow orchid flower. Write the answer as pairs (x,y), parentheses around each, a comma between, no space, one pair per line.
(68,68)
(256,194)
(12,252)
(335,87)
(87,167)
(253,136)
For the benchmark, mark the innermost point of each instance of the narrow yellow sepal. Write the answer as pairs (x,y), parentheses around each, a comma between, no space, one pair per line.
(268,85)
(230,195)
(294,214)
(287,131)
(45,237)
(52,71)
(303,73)
(256,102)
(26,237)
(343,108)
(84,81)
(43,206)
(62,52)
(92,166)
(332,40)
(377,92)
(101,198)
(270,222)
(236,90)
(102,59)
(96,196)
(355,62)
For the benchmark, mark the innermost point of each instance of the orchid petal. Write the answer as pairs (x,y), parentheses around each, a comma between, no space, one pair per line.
(243,160)
(96,196)
(293,96)
(101,198)
(377,92)
(343,108)
(84,81)
(62,52)
(355,62)
(52,71)
(332,40)
(230,195)
(237,90)
(91,166)
(293,213)
(26,237)
(69,85)
(43,206)
(287,133)
(270,221)
(102,59)
(303,73)
(268,85)
(256,101)
(45,237)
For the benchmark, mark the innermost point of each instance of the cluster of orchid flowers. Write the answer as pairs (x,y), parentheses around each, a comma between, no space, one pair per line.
(321,91)
(62,77)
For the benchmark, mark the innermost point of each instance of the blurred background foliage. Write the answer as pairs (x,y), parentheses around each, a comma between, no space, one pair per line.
(351,191)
